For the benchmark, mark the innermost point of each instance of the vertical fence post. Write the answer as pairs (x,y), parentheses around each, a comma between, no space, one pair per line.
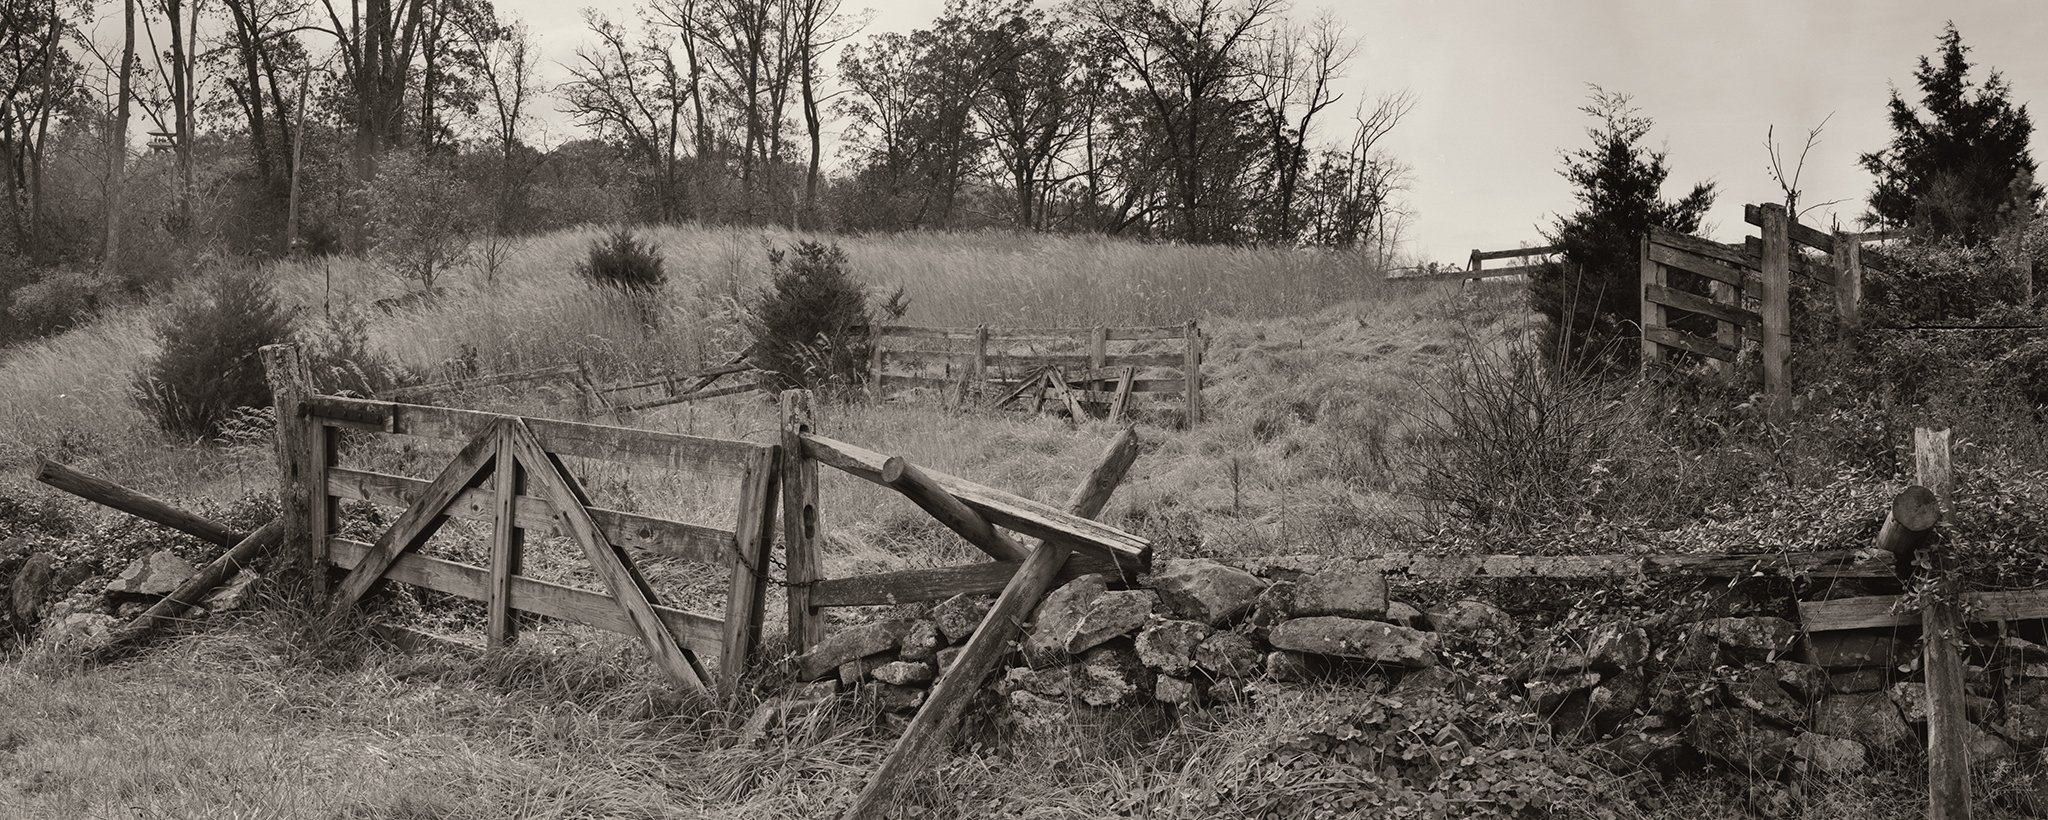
(799,522)
(875,359)
(508,545)
(1192,371)
(300,475)
(1652,313)
(1848,260)
(754,532)
(979,378)
(1777,303)
(1941,633)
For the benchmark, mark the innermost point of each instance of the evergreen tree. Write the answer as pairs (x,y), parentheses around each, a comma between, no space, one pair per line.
(1964,171)
(1591,296)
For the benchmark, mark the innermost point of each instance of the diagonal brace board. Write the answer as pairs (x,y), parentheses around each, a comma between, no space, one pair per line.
(420,521)
(546,478)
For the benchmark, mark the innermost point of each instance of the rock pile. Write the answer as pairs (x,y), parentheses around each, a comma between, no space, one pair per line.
(93,610)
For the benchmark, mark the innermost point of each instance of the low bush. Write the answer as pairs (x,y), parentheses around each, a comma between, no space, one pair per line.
(621,261)
(207,363)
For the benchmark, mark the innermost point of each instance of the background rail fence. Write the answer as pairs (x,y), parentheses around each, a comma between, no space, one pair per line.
(511,475)
(617,399)
(1109,369)
(1702,299)
(1475,268)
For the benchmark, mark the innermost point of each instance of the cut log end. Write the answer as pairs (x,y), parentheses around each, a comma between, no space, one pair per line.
(1916,508)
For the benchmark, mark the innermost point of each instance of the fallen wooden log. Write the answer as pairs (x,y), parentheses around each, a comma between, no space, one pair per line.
(102,491)
(195,589)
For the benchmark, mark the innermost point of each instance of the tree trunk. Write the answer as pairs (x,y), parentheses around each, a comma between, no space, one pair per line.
(117,148)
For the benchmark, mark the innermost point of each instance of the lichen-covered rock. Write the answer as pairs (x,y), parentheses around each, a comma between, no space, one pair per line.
(1359,593)
(1051,682)
(853,672)
(1471,619)
(1228,655)
(234,594)
(1169,645)
(1618,646)
(80,629)
(2026,725)
(31,587)
(818,690)
(1867,718)
(1678,695)
(158,573)
(1828,755)
(851,643)
(1111,675)
(1206,591)
(1757,689)
(1616,700)
(1404,614)
(944,658)
(1852,649)
(1757,638)
(1056,617)
(1911,698)
(1169,689)
(1737,738)
(1363,640)
(893,698)
(1288,666)
(1693,651)
(1274,605)
(903,673)
(920,642)
(1034,714)
(1806,682)
(958,616)
(1548,692)
(1984,746)
(1110,615)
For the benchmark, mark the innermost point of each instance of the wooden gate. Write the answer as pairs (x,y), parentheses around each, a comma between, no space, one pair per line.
(510,472)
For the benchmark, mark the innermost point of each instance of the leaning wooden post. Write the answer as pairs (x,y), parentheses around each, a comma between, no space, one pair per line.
(1848,259)
(1777,304)
(508,546)
(1941,633)
(980,374)
(754,533)
(800,537)
(101,491)
(301,444)
(933,725)
(1192,369)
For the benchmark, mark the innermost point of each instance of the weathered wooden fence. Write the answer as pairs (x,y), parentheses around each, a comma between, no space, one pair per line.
(1116,369)
(510,473)
(1704,299)
(1476,269)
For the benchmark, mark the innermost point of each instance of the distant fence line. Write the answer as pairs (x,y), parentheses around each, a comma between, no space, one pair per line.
(1152,367)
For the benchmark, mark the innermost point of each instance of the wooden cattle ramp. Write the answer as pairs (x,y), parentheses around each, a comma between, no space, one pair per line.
(1086,369)
(511,473)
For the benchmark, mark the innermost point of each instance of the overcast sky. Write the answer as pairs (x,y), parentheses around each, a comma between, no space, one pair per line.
(1497,84)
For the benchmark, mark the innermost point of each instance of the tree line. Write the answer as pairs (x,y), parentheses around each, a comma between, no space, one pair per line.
(311,126)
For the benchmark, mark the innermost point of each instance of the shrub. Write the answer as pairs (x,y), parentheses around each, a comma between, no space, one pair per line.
(420,216)
(207,363)
(620,260)
(806,323)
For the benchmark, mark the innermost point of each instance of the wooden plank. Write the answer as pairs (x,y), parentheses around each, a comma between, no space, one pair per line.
(1893,610)
(748,595)
(1130,334)
(1650,313)
(627,588)
(673,380)
(1164,389)
(698,632)
(938,584)
(712,393)
(1777,312)
(620,445)
(1098,346)
(1813,238)
(955,515)
(141,505)
(1121,402)
(908,332)
(1848,260)
(1695,303)
(1668,238)
(1058,386)
(671,539)
(421,520)
(1516,253)
(1023,386)
(1081,361)
(1823,564)
(1716,269)
(929,729)
(508,547)
(803,561)
(1821,273)
(1693,344)
(1000,508)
